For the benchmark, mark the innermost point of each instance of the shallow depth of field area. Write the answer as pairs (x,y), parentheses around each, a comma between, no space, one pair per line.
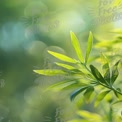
(61,61)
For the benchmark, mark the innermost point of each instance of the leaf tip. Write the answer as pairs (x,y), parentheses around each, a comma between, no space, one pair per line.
(71,98)
(90,33)
(35,71)
(48,51)
(71,32)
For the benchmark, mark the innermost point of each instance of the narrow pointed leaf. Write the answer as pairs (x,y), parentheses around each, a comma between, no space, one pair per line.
(59,83)
(76,92)
(115,73)
(89,46)
(117,94)
(118,101)
(50,72)
(71,86)
(101,96)
(76,46)
(88,93)
(104,59)
(66,84)
(75,71)
(105,67)
(97,74)
(107,76)
(94,117)
(63,85)
(62,57)
(65,66)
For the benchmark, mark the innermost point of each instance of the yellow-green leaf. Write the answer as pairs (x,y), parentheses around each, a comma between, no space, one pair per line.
(88,93)
(101,96)
(89,46)
(65,66)
(104,59)
(50,72)
(115,72)
(62,57)
(90,116)
(61,85)
(76,46)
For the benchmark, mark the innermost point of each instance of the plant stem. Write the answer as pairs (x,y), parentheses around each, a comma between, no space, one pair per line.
(116,90)
(110,116)
(109,87)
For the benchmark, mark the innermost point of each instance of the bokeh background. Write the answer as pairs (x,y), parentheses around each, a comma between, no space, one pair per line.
(27,30)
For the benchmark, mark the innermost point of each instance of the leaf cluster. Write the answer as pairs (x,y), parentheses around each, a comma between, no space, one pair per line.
(84,77)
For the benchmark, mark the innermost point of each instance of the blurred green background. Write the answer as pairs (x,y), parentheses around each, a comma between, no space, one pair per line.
(27,30)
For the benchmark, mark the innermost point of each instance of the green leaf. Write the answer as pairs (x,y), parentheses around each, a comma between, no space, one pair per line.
(65,66)
(71,86)
(63,85)
(118,101)
(75,71)
(104,59)
(82,68)
(89,46)
(107,76)
(66,84)
(101,96)
(89,116)
(50,72)
(105,67)
(62,57)
(97,75)
(88,93)
(115,73)
(59,83)
(117,94)
(76,92)
(76,46)
(105,44)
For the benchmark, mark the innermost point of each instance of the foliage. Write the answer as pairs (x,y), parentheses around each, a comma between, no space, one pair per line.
(92,117)
(91,73)
(84,78)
